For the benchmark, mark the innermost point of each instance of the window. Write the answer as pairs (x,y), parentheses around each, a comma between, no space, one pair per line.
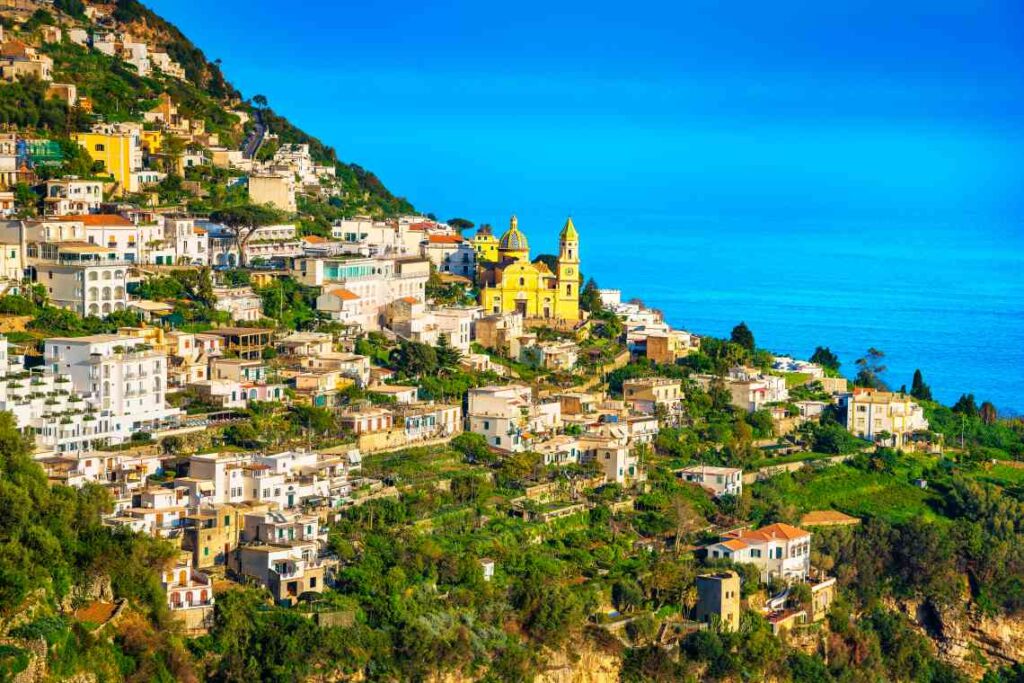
(312,582)
(227,520)
(99,147)
(206,552)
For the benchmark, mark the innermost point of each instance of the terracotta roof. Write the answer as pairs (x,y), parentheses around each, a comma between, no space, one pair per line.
(444,239)
(421,226)
(734,544)
(314,239)
(772,531)
(827,518)
(410,300)
(344,294)
(14,48)
(99,219)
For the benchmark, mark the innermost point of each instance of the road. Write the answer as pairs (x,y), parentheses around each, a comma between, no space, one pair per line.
(255,140)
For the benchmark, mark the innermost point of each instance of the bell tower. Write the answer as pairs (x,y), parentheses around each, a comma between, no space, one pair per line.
(568,300)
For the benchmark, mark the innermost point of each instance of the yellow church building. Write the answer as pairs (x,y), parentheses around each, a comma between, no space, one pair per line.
(512,284)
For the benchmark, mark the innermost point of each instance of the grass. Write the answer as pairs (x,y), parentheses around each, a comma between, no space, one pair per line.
(1000,474)
(863,494)
(784,459)
(795,379)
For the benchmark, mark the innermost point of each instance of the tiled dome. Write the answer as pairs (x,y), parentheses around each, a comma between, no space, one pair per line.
(513,239)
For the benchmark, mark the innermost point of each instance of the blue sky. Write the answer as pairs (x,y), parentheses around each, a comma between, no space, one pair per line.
(697,108)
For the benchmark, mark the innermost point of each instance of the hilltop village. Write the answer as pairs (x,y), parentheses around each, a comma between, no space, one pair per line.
(262,420)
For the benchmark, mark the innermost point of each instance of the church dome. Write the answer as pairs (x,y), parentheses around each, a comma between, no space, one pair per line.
(513,239)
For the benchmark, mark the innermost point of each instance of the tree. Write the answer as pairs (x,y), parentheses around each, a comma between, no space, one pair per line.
(413,358)
(742,335)
(918,389)
(461,224)
(74,8)
(966,405)
(684,518)
(870,370)
(260,101)
(242,221)
(988,413)
(590,297)
(824,357)
(447,355)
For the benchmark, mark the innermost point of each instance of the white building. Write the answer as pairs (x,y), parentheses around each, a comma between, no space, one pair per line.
(126,377)
(72,195)
(508,417)
(721,481)
(780,551)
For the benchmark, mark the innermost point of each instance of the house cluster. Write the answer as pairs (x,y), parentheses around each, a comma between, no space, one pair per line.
(571,427)
(647,333)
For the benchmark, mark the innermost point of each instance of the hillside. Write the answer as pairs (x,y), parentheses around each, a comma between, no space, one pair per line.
(116,92)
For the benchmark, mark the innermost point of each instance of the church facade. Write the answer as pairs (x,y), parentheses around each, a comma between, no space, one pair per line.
(511,283)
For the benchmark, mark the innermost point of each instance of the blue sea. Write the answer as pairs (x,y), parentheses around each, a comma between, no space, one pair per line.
(942,295)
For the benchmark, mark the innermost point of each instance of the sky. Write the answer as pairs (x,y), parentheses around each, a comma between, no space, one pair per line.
(696,108)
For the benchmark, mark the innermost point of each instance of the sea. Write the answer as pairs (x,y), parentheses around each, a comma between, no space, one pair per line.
(945,295)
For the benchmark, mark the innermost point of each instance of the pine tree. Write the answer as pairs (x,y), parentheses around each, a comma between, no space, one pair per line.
(918,389)
(742,335)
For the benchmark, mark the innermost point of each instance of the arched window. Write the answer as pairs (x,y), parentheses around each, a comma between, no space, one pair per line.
(93,275)
(106,275)
(522,282)
(94,293)
(106,309)
(118,292)
(118,274)
(106,293)
(94,309)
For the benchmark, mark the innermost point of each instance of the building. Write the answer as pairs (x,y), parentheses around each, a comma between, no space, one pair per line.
(559,356)
(779,551)
(273,189)
(721,481)
(18,61)
(88,279)
(286,570)
(451,254)
(72,195)
(669,346)
(189,595)
(241,303)
(210,533)
(508,417)
(118,147)
(247,342)
(358,291)
(125,377)
(190,241)
(749,390)
(613,450)
(882,416)
(718,600)
(499,332)
(654,395)
(513,284)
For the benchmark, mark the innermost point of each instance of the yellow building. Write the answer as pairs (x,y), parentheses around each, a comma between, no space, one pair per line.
(486,245)
(120,151)
(152,141)
(513,284)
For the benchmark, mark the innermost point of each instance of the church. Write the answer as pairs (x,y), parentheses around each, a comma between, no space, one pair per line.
(510,283)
